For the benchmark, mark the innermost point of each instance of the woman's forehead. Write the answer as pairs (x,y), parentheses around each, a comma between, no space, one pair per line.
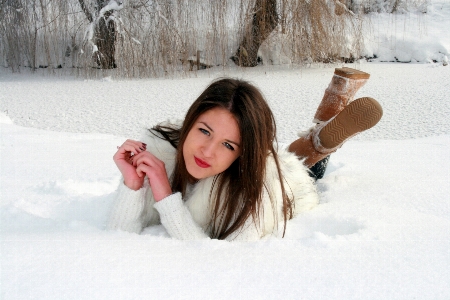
(220,120)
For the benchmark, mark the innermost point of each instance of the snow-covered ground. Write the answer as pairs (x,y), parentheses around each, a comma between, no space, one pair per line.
(410,37)
(381,231)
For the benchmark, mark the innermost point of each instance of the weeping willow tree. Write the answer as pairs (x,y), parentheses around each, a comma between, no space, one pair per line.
(320,34)
(263,22)
(148,38)
(102,30)
(34,33)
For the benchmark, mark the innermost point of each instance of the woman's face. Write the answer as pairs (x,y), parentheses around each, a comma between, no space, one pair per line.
(212,144)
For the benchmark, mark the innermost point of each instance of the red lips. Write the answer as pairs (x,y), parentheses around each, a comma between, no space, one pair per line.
(201,163)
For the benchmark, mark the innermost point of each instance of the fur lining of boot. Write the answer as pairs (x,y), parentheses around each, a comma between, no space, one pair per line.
(316,139)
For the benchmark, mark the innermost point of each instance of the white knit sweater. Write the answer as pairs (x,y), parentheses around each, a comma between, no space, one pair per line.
(188,218)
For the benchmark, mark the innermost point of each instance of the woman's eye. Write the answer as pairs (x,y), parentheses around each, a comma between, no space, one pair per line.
(204,131)
(228,146)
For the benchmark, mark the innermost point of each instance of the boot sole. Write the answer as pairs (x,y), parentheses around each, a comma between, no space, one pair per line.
(358,116)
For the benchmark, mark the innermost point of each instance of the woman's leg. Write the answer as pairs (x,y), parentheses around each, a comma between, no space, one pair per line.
(318,170)
(325,138)
(338,119)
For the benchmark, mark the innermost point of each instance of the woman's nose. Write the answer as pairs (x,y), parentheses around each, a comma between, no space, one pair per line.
(208,149)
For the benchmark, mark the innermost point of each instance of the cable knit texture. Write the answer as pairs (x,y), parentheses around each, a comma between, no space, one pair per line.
(189,218)
(177,219)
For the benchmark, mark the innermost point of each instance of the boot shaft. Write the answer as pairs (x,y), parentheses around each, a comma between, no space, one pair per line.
(340,92)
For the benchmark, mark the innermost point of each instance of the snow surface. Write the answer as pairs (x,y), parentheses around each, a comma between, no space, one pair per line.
(381,231)
(410,37)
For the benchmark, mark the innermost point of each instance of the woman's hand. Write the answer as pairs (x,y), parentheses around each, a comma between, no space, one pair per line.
(148,164)
(123,160)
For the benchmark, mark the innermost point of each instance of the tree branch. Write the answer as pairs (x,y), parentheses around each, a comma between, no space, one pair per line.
(86,11)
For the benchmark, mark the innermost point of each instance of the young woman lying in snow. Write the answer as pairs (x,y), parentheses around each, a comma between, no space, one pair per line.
(220,173)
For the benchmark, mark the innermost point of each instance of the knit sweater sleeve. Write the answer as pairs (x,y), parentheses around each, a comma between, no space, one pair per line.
(179,223)
(177,219)
(132,210)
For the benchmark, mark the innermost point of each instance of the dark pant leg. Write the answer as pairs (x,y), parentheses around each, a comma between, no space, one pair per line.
(318,170)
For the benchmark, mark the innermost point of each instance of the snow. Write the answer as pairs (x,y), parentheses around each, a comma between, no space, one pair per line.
(112,5)
(381,231)
(409,37)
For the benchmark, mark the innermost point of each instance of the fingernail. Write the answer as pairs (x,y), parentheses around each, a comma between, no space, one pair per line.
(141,148)
(144,144)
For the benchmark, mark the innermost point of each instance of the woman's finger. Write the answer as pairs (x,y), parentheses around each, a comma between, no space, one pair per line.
(148,159)
(133,146)
(129,147)
(158,180)
(142,170)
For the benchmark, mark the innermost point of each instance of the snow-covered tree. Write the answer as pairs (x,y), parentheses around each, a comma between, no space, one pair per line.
(263,21)
(101,32)
(142,38)
(385,6)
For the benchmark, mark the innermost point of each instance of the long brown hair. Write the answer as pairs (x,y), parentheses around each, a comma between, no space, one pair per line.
(238,190)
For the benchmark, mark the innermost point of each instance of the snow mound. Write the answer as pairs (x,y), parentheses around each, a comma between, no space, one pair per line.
(4,119)
(409,37)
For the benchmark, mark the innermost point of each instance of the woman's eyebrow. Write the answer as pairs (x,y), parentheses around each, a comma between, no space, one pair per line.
(233,143)
(207,126)
(229,141)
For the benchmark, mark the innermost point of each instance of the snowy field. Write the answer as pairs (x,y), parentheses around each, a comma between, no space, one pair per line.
(381,231)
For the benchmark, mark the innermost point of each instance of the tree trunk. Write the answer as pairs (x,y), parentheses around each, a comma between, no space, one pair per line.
(264,21)
(86,11)
(105,35)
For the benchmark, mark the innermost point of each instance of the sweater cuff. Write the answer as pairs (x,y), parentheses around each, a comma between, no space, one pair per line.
(128,208)
(177,219)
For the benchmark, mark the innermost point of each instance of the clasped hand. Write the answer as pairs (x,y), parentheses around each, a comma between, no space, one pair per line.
(134,162)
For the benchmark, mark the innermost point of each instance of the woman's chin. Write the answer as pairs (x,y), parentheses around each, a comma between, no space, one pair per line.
(196,173)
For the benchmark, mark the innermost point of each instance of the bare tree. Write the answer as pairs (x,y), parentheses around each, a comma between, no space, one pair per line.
(155,38)
(104,35)
(263,21)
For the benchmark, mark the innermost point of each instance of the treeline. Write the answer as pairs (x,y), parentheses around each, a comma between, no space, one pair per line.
(147,38)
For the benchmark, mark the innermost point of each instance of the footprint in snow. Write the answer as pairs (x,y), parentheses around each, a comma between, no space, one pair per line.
(325,228)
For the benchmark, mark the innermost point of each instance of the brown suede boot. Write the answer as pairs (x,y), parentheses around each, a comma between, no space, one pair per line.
(326,137)
(340,92)
(304,149)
